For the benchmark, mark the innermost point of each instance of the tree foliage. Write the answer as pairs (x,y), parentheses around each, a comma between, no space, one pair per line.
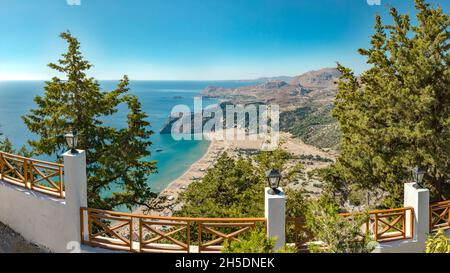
(234,187)
(336,233)
(397,114)
(116,158)
(438,243)
(7,146)
(255,242)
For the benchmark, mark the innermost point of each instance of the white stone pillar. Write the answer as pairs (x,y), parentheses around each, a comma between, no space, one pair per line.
(75,180)
(275,213)
(419,199)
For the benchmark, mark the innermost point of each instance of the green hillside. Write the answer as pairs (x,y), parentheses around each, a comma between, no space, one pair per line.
(314,125)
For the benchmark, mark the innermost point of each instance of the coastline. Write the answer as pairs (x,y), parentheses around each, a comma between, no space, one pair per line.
(168,199)
(173,190)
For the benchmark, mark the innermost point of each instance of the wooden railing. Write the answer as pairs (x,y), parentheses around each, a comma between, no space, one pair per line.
(144,233)
(388,225)
(37,175)
(382,225)
(440,216)
(216,228)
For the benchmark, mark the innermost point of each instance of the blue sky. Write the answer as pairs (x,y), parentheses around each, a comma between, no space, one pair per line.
(189,39)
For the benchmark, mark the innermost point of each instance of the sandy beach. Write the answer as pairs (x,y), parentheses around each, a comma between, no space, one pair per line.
(167,202)
(169,196)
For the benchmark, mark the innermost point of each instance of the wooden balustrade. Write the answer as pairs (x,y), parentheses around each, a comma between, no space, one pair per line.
(388,225)
(145,233)
(382,225)
(105,228)
(220,230)
(37,175)
(160,236)
(440,216)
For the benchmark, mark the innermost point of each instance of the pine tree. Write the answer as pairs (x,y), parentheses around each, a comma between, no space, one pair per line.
(117,159)
(7,146)
(397,114)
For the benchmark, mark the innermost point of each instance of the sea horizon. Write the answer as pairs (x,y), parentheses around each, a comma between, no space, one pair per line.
(157,98)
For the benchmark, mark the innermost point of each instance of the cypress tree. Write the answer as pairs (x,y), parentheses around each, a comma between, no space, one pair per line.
(396,115)
(117,159)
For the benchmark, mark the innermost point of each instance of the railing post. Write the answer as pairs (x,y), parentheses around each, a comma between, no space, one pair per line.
(199,237)
(404,224)
(75,182)
(419,199)
(31,178)
(25,175)
(61,184)
(275,213)
(131,234)
(448,215)
(141,239)
(375,227)
(188,236)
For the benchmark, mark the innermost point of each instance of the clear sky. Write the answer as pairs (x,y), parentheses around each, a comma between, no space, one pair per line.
(189,39)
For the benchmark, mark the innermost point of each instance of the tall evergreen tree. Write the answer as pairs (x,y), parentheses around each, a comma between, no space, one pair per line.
(397,114)
(7,146)
(117,159)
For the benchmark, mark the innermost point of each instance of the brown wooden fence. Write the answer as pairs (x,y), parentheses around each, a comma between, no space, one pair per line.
(143,233)
(37,175)
(440,216)
(382,225)
(389,224)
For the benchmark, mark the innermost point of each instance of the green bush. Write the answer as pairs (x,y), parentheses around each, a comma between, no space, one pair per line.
(438,243)
(336,233)
(255,242)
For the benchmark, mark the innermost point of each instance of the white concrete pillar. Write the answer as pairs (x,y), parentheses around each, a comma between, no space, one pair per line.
(419,199)
(275,213)
(75,180)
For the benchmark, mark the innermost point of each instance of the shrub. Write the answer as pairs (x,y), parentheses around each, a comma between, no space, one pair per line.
(336,234)
(255,242)
(439,243)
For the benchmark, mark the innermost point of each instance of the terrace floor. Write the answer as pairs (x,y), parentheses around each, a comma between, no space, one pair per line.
(12,242)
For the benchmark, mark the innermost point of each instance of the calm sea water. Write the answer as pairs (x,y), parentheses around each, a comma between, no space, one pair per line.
(157,98)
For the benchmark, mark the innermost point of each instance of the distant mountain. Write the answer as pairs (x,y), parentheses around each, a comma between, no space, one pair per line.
(279,78)
(305,102)
(313,85)
(323,78)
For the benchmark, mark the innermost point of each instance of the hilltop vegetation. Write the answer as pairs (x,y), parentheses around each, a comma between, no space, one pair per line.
(315,126)
(389,119)
(232,188)
(397,114)
(305,103)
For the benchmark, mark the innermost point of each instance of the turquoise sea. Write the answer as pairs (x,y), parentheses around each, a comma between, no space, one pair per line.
(157,98)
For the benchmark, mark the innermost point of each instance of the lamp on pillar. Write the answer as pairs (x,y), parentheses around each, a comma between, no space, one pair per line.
(72,141)
(273,179)
(418,173)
